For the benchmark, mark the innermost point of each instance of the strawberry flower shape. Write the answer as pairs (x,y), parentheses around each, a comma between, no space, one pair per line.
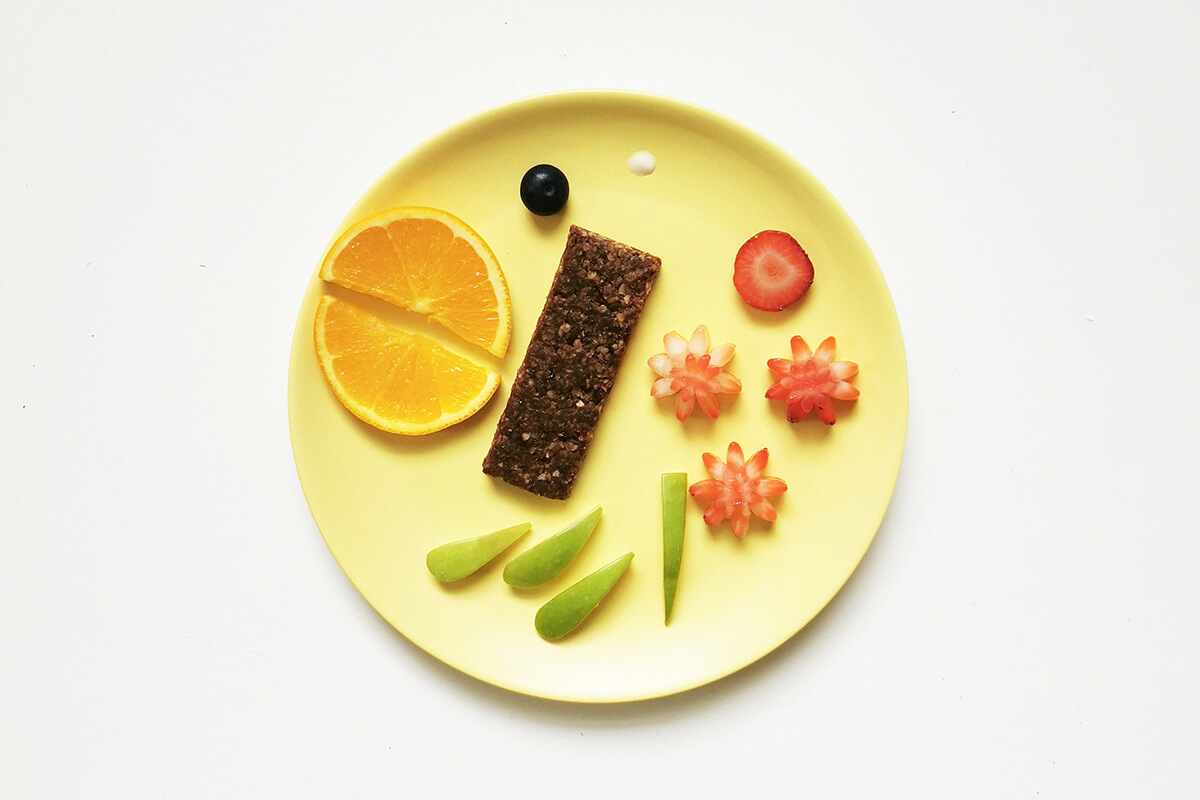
(696,375)
(737,489)
(812,380)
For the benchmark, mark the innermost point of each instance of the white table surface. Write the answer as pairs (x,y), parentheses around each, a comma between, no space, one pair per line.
(1025,625)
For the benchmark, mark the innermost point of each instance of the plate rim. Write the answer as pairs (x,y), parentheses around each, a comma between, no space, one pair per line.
(655,102)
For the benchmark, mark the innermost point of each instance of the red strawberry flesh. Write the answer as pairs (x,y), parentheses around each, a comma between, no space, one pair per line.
(737,488)
(812,381)
(771,271)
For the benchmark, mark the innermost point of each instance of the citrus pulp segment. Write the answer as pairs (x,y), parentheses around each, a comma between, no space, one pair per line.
(431,262)
(397,381)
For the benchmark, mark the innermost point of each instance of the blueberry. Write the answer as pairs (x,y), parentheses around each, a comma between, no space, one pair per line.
(544,190)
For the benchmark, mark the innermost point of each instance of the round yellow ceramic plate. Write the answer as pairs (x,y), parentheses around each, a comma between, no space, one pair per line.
(383,501)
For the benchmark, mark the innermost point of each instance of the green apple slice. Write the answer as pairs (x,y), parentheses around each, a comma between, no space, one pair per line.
(674,504)
(562,613)
(545,560)
(456,560)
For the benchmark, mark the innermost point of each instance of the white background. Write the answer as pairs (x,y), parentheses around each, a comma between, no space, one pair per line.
(1025,625)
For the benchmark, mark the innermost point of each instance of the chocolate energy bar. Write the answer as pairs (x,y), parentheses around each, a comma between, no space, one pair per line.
(594,304)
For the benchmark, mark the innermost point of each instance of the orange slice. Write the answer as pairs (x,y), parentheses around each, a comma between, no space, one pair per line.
(430,262)
(399,382)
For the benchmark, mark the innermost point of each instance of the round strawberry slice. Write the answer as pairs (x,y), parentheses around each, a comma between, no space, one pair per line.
(772,271)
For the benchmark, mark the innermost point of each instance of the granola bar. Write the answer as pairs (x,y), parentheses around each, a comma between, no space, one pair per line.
(594,304)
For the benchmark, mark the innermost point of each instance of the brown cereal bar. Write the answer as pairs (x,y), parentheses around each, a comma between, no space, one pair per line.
(595,301)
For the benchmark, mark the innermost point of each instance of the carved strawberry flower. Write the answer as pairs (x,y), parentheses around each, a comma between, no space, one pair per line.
(693,373)
(812,380)
(737,489)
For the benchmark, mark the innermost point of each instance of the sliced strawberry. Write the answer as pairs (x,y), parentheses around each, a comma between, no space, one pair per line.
(812,381)
(688,369)
(737,488)
(772,271)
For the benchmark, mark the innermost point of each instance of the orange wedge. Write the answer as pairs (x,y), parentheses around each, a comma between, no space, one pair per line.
(399,382)
(431,262)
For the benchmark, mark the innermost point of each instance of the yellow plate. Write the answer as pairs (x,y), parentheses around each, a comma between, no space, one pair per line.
(383,501)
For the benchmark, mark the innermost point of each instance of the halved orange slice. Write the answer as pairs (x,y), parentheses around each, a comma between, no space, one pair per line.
(431,262)
(397,381)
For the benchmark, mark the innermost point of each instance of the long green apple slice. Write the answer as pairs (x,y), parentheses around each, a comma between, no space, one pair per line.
(674,503)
